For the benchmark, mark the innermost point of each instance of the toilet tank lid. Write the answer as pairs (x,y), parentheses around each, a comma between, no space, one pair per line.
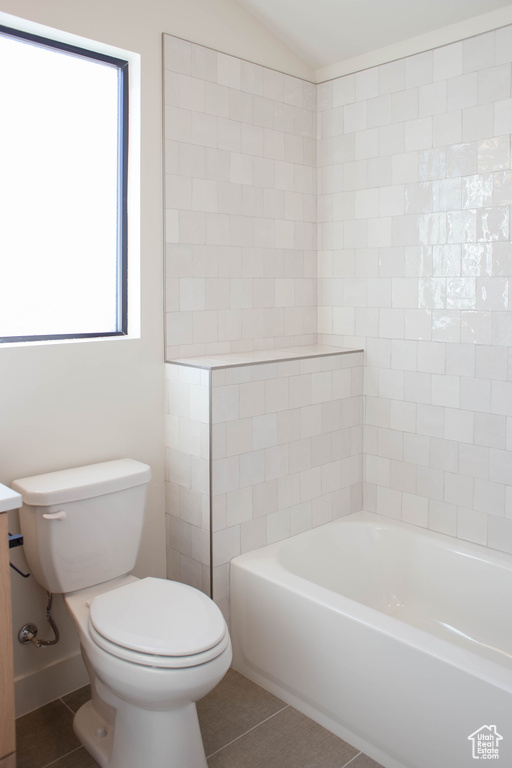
(78,483)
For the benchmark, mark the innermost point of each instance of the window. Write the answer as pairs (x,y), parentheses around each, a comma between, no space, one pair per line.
(63,190)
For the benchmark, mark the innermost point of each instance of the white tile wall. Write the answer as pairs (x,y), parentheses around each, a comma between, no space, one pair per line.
(286,456)
(187,440)
(414,170)
(240,159)
(406,226)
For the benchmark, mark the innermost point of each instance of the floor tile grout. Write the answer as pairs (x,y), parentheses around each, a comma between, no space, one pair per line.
(61,757)
(351,760)
(67,706)
(246,732)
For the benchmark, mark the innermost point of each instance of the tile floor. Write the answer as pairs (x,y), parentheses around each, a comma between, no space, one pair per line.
(243,726)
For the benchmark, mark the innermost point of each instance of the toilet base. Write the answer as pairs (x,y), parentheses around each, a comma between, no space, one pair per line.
(142,737)
(94,733)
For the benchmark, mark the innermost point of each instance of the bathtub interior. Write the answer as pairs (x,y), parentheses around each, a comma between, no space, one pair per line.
(395,639)
(456,591)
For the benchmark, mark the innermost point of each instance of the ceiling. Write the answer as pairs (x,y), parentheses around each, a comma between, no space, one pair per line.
(324,32)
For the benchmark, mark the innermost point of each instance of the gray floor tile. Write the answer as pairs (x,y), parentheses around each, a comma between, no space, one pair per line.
(286,740)
(80,758)
(44,735)
(75,699)
(243,726)
(232,708)
(363,761)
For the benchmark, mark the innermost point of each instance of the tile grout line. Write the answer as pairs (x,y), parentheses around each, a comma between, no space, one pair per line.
(351,760)
(248,731)
(67,706)
(61,757)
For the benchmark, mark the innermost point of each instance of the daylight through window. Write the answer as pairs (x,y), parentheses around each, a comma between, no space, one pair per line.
(63,190)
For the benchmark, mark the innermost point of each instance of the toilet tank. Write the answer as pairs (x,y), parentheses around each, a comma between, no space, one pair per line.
(83,526)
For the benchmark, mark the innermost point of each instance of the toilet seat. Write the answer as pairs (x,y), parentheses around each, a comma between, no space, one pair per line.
(153,660)
(158,623)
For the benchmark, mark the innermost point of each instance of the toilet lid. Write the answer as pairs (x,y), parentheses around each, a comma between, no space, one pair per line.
(157,616)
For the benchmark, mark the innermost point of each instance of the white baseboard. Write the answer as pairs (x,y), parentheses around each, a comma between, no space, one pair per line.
(33,690)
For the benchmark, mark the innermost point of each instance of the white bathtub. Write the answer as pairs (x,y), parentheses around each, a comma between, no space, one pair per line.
(397,639)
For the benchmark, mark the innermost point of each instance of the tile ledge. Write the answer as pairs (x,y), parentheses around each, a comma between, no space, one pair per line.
(260,357)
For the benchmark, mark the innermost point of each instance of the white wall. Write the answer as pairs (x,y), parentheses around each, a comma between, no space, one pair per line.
(70,404)
(476,25)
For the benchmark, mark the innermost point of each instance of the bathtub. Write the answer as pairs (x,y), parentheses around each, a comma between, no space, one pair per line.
(397,639)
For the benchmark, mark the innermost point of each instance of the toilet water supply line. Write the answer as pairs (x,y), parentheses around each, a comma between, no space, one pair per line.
(28,633)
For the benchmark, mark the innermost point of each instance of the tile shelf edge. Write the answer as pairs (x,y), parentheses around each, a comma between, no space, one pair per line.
(262,357)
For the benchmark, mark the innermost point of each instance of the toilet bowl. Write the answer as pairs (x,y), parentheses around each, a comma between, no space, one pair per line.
(152,647)
(150,694)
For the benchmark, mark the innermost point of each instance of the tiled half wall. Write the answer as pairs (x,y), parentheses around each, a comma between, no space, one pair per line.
(257,452)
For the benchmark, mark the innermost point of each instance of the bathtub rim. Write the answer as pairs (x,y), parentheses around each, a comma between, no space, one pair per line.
(479,551)
(264,563)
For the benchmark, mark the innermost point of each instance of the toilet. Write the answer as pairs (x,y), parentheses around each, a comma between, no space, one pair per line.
(152,647)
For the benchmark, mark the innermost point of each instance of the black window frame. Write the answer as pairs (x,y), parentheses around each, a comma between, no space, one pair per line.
(122,67)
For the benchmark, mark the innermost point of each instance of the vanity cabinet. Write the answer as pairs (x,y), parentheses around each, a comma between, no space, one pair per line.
(7,741)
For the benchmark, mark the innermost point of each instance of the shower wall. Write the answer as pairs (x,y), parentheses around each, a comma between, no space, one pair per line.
(240,160)
(415,262)
(374,211)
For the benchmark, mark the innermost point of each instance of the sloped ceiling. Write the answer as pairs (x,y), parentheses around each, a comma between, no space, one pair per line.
(324,32)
